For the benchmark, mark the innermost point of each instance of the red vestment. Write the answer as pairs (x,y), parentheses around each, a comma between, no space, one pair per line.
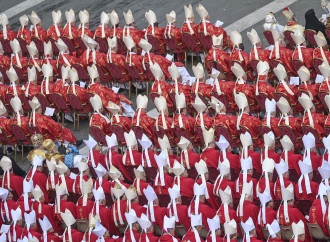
(239,184)
(205,210)
(285,58)
(176,32)
(71,59)
(228,121)
(294,216)
(146,122)
(39,179)
(81,93)
(192,156)
(84,211)
(252,123)
(16,183)
(42,33)
(304,196)
(182,211)
(159,189)
(137,156)
(158,33)
(211,157)
(319,121)
(163,63)
(307,54)
(98,32)
(186,186)
(51,32)
(99,121)
(25,34)
(277,187)
(53,130)
(5,61)
(11,35)
(250,210)
(203,88)
(249,92)
(185,29)
(208,121)
(33,89)
(316,216)
(48,211)
(190,236)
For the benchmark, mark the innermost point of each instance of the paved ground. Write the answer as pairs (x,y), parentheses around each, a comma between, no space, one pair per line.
(227,11)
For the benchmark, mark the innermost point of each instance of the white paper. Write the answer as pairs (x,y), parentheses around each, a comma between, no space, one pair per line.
(294,80)
(82,84)
(218,23)
(210,81)
(319,78)
(202,57)
(73,176)
(115,89)
(143,53)
(214,71)
(169,57)
(49,111)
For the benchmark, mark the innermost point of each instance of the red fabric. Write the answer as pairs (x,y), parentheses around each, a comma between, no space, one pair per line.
(161,61)
(192,156)
(5,61)
(167,238)
(222,57)
(48,211)
(165,89)
(190,236)
(99,121)
(107,32)
(159,34)
(262,186)
(84,211)
(146,122)
(186,186)
(307,54)
(53,130)
(51,33)
(185,29)
(224,184)
(285,58)
(176,32)
(211,157)
(151,154)
(319,121)
(33,89)
(39,179)
(71,59)
(16,183)
(252,123)
(42,33)
(182,211)
(316,216)
(77,188)
(240,184)
(81,93)
(294,216)
(256,160)
(251,210)
(5,125)
(25,34)
(304,195)
(66,205)
(159,189)
(137,156)
(11,35)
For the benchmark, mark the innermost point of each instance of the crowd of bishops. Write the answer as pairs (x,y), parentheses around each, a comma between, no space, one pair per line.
(237,150)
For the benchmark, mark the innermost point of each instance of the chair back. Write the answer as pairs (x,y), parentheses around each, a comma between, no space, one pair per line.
(69,43)
(81,44)
(156,46)
(103,43)
(60,103)
(269,37)
(54,47)
(115,72)
(23,45)
(296,64)
(134,73)
(206,40)
(75,102)
(39,44)
(97,134)
(119,131)
(191,42)
(6,46)
(19,133)
(173,44)
(310,36)
(288,37)
(286,231)
(82,72)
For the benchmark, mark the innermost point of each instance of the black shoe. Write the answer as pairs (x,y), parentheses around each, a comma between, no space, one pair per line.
(79,142)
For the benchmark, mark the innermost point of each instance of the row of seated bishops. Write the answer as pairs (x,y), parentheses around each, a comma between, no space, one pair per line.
(79,45)
(73,197)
